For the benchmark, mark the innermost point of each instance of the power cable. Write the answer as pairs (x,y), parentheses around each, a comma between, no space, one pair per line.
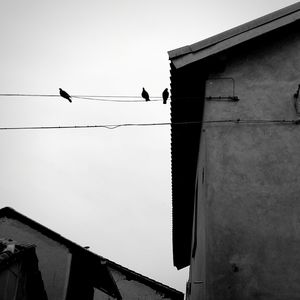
(107,98)
(121,98)
(114,126)
(114,100)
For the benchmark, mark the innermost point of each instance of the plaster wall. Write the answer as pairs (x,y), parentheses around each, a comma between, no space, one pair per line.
(252,180)
(53,258)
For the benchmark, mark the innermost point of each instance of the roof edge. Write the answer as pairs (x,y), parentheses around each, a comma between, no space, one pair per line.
(142,278)
(10,212)
(233,32)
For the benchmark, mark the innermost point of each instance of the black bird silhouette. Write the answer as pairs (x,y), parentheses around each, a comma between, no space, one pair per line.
(165,96)
(145,95)
(65,95)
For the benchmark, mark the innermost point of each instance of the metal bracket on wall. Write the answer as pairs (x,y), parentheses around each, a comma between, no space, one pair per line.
(198,282)
(220,98)
(220,89)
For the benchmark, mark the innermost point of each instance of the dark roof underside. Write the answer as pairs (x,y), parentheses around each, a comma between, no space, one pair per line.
(186,106)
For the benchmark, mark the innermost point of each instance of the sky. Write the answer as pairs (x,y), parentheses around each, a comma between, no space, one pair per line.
(109,189)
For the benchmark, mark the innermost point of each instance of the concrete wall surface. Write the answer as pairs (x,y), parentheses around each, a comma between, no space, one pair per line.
(53,258)
(249,246)
(252,213)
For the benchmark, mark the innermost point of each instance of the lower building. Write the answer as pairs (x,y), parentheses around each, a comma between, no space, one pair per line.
(71,272)
(20,277)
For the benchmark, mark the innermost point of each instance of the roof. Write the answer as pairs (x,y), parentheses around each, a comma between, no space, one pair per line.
(94,259)
(188,82)
(158,286)
(107,283)
(227,39)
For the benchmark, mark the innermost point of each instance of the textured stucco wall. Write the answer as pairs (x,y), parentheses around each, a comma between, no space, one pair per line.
(252,180)
(54,258)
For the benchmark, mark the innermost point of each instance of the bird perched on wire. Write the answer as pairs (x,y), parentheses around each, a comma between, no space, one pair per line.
(65,95)
(165,96)
(145,95)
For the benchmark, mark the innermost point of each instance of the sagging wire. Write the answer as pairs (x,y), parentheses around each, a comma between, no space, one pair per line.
(106,98)
(115,126)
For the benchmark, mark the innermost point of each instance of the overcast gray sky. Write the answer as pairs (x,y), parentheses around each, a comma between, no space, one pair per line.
(109,189)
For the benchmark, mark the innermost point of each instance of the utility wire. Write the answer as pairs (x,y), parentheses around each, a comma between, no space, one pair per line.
(120,98)
(114,126)
(96,96)
(28,95)
(113,100)
(83,126)
(107,98)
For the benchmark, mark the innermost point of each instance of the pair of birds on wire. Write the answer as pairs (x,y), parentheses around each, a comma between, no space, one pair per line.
(165,95)
(145,95)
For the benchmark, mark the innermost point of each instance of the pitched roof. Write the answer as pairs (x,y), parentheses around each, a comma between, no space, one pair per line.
(107,283)
(227,39)
(94,259)
(158,286)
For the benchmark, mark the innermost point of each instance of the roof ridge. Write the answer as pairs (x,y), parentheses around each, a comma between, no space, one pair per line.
(235,31)
(270,17)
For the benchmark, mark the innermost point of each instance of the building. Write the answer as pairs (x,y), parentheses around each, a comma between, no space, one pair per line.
(70,271)
(235,160)
(20,277)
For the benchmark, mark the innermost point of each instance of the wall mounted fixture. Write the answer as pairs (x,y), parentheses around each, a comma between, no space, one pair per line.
(220,89)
